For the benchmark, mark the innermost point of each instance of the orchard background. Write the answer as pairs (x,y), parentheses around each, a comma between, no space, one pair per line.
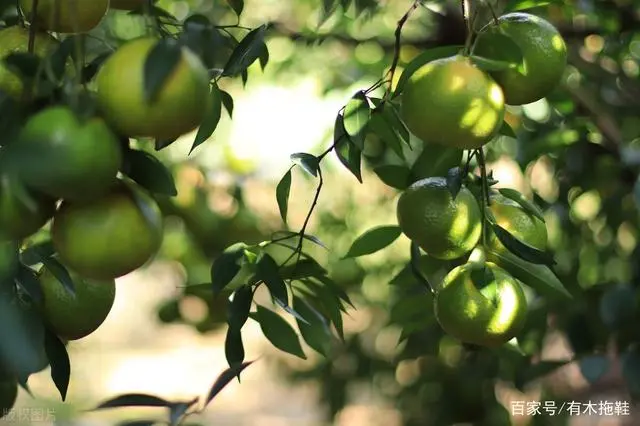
(575,154)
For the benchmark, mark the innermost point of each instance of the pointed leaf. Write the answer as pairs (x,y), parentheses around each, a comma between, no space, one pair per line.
(315,329)
(499,46)
(246,53)
(357,113)
(380,127)
(313,239)
(435,160)
(278,332)
(489,65)
(239,307)
(226,267)
(526,204)
(283,191)
(506,130)
(237,6)
(233,346)
(211,120)
(416,270)
(373,240)
(268,271)
(227,102)
(393,117)
(34,254)
(177,411)
(225,378)
(302,269)
(58,270)
(133,400)
(522,249)
(308,162)
(539,277)
(264,56)
(59,361)
(159,65)
(347,152)
(454,181)
(28,281)
(150,173)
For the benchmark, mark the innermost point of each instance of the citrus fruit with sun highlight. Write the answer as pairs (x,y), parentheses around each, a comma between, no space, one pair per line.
(481,305)
(518,222)
(110,236)
(451,102)
(15,39)
(66,16)
(443,226)
(179,106)
(543,51)
(74,316)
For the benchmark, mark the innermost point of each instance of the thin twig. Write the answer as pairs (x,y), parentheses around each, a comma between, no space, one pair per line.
(398,40)
(486,202)
(32,28)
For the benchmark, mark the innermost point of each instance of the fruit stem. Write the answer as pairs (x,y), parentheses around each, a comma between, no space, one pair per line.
(469,22)
(32,27)
(486,202)
(398,39)
(493,13)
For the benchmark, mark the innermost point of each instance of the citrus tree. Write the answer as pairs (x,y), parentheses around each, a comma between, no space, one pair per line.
(86,114)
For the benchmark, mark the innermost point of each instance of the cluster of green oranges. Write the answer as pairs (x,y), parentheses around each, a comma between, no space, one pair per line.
(452,102)
(63,169)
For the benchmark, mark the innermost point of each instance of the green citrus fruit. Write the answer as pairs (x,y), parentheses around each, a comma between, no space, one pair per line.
(16,40)
(22,217)
(544,56)
(8,396)
(179,106)
(518,222)
(444,227)
(110,236)
(480,305)
(74,316)
(66,16)
(76,159)
(451,102)
(127,4)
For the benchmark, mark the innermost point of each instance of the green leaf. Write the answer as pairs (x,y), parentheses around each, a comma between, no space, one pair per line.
(150,173)
(159,65)
(59,361)
(594,367)
(392,116)
(302,269)
(224,379)
(526,204)
(379,126)
(522,249)
(313,239)
(283,191)
(58,270)
(278,332)
(506,130)
(539,277)
(357,113)
(415,265)
(454,181)
(211,120)
(398,177)
(237,6)
(264,56)
(489,65)
(177,410)
(162,144)
(239,307)
(233,346)
(329,300)
(422,59)
(315,329)
(308,162)
(268,271)
(133,400)
(347,152)
(28,281)
(520,5)
(226,266)
(34,254)
(246,53)
(227,102)
(373,240)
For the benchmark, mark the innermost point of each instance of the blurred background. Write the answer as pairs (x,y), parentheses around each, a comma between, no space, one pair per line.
(577,156)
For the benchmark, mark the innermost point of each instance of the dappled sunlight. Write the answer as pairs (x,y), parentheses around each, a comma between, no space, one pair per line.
(461,228)
(506,310)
